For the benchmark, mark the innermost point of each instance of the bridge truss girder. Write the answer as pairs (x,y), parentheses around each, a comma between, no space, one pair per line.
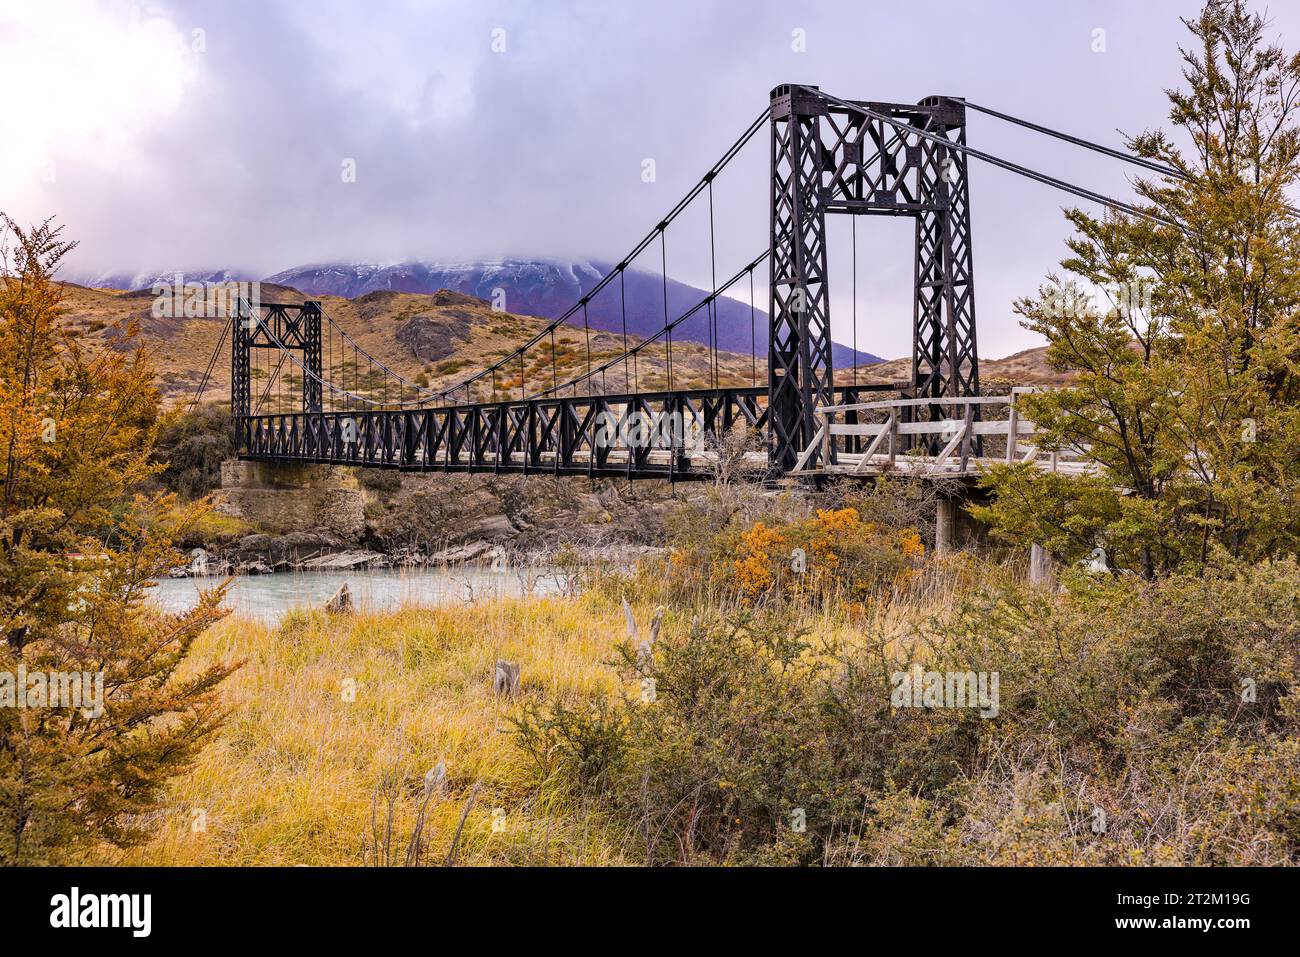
(276,327)
(828,157)
(552,436)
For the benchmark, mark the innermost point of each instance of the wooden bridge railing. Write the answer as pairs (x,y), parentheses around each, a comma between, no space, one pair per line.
(958,437)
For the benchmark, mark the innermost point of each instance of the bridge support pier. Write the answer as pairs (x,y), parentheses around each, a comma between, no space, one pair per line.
(800,373)
(1041,566)
(865,158)
(954,527)
(286,498)
(276,327)
(945,525)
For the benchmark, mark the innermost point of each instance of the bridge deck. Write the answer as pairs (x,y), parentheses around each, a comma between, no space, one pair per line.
(926,466)
(665,435)
(662,435)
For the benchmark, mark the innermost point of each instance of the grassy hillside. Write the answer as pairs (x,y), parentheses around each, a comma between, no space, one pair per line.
(1028,367)
(440,339)
(436,340)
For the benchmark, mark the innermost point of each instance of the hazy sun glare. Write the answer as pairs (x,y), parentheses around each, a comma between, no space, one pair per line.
(82,80)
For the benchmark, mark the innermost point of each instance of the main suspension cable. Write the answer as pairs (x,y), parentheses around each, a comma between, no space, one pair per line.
(1142,161)
(1152,165)
(989,158)
(212,364)
(632,353)
(640,247)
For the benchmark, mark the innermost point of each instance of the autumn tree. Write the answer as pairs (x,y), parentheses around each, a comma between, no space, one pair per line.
(78,548)
(1182,332)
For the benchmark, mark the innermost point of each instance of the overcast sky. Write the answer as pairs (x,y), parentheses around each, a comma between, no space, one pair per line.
(173,134)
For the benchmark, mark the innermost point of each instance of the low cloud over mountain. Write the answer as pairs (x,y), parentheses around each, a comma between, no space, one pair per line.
(532,287)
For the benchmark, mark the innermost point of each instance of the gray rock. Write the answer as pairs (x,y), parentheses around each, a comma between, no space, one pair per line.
(357,558)
(505,679)
(430,337)
(284,551)
(462,553)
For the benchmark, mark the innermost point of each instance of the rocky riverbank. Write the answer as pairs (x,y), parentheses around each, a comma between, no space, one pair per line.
(265,555)
(280,519)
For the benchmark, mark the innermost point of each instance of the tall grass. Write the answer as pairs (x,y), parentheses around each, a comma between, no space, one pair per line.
(299,775)
(293,776)
(1123,734)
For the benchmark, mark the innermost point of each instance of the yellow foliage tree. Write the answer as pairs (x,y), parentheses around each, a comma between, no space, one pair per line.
(95,713)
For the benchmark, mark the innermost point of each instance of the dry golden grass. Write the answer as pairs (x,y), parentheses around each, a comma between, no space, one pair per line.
(292,778)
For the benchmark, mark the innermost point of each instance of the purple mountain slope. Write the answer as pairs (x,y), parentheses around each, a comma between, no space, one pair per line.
(547,288)
(534,287)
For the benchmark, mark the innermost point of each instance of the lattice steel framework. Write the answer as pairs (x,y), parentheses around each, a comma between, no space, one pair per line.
(559,436)
(835,156)
(273,326)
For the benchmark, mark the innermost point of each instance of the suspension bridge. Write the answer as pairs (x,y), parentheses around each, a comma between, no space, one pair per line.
(319,397)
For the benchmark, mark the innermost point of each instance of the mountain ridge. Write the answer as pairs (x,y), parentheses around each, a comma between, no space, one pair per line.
(544,288)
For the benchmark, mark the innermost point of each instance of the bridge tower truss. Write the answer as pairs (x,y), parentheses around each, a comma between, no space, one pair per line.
(835,156)
(276,327)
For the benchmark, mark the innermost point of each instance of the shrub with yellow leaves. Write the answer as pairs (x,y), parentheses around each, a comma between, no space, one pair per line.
(831,554)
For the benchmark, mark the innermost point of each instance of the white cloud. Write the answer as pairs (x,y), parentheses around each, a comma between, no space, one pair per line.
(82,82)
(231,158)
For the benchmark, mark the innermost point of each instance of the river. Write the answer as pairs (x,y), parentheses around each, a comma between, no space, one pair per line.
(267,598)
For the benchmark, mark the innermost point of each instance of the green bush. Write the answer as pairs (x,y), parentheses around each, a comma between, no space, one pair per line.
(192,445)
(1137,722)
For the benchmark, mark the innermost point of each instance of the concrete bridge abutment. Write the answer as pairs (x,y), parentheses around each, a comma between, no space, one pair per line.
(290,497)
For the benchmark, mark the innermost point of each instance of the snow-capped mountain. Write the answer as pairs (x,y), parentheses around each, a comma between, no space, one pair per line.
(151,278)
(533,287)
(548,288)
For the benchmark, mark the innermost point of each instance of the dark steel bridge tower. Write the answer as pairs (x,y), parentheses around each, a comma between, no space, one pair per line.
(864,158)
(276,327)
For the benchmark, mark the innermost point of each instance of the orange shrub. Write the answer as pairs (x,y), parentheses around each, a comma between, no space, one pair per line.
(831,553)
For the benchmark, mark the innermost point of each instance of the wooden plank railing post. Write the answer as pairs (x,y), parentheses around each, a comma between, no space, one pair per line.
(1041,566)
(945,521)
(1013,426)
(967,428)
(828,445)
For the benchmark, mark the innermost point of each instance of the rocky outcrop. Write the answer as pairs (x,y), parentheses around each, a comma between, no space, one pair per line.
(340,603)
(283,551)
(461,553)
(319,518)
(432,338)
(357,558)
(341,512)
